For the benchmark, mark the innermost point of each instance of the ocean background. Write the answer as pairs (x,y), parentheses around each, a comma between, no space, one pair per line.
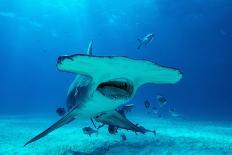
(194,36)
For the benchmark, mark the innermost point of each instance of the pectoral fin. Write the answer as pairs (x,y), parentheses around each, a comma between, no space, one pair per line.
(64,120)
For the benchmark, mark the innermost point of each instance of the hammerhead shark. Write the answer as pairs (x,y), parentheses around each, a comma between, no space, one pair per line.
(104,83)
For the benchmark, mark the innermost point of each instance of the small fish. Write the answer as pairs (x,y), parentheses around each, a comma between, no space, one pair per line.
(60,111)
(145,40)
(162,100)
(89,131)
(147,104)
(173,112)
(123,137)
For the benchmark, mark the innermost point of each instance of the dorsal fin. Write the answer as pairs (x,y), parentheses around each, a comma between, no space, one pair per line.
(90,48)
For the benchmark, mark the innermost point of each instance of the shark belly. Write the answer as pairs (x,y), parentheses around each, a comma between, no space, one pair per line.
(96,105)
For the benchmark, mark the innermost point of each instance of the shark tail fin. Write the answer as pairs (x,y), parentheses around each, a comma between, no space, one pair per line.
(64,120)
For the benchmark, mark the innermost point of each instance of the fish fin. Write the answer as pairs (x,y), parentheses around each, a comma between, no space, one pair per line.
(64,120)
(90,48)
(100,126)
(140,45)
(93,123)
(145,72)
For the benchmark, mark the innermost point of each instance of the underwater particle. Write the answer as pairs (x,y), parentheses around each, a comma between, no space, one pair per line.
(89,131)
(147,104)
(145,40)
(60,111)
(161,100)
(123,137)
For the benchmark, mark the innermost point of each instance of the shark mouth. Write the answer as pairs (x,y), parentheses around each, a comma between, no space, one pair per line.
(116,89)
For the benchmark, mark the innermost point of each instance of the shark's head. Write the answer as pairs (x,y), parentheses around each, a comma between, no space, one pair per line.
(117,78)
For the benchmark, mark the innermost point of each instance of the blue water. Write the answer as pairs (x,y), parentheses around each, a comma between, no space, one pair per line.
(194,36)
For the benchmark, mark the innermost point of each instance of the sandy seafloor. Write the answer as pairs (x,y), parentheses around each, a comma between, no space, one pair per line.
(174,136)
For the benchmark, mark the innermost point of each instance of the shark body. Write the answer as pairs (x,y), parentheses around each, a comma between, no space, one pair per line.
(103,83)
